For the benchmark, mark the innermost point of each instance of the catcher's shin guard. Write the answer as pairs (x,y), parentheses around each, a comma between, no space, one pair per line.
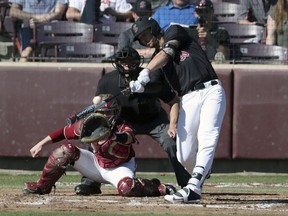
(53,169)
(138,187)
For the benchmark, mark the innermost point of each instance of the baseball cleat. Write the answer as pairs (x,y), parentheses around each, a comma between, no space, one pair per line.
(86,190)
(165,189)
(184,195)
(170,189)
(35,188)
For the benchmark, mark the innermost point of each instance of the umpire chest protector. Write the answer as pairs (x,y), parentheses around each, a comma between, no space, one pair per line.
(136,108)
(140,108)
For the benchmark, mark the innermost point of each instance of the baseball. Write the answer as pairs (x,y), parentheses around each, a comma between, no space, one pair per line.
(96,100)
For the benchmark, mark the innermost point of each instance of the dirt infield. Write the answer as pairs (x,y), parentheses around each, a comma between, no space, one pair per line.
(212,202)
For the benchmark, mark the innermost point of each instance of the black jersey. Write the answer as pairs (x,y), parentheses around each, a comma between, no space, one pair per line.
(138,107)
(190,65)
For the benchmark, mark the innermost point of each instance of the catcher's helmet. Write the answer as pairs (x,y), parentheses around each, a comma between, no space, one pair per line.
(127,62)
(111,109)
(144,23)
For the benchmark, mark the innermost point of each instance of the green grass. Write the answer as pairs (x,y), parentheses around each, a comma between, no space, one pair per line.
(77,214)
(249,178)
(85,213)
(17,180)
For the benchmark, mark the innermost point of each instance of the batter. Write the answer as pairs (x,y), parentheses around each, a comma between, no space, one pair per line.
(202,106)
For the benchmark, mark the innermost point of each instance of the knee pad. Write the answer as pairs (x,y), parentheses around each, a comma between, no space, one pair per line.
(137,187)
(56,165)
(125,185)
(66,154)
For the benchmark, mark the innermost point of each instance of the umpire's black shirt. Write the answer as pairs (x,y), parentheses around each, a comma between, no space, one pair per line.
(137,107)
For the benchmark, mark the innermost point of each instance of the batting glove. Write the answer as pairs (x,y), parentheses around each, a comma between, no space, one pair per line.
(143,77)
(136,87)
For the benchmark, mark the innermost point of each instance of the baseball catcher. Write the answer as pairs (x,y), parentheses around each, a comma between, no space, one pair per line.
(112,160)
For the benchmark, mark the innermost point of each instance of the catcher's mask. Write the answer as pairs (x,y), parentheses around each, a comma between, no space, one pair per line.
(111,110)
(127,62)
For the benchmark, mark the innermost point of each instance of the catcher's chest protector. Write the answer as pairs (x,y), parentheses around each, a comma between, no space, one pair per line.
(112,149)
(110,152)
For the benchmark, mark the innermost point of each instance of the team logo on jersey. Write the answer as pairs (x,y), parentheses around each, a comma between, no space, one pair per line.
(184,55)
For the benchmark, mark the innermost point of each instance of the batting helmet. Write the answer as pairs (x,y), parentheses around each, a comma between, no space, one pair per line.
(144,23)
(127,61)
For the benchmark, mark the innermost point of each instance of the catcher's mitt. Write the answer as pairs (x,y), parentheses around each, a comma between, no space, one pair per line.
(95,127)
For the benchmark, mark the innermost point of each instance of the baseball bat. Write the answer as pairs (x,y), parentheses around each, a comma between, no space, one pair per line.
(92,108)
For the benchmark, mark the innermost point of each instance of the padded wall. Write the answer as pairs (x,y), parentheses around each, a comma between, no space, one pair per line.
(224,147)
(36,100)
(260,121)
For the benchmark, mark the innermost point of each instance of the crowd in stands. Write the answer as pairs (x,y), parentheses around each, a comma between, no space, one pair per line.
(277,24)
(31,13)
(197,16)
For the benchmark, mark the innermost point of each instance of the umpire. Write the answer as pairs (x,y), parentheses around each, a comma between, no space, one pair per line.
(143,111)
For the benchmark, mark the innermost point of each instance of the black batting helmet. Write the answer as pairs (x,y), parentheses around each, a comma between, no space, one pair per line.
(144,23)
(131,59)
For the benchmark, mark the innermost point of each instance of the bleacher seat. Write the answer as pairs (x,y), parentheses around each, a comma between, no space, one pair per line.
(85,52)
(226,11)
(244,33)
(108,33)
(50,35)
(261,53)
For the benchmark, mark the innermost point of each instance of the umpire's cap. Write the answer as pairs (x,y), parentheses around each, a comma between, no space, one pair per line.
(144,23)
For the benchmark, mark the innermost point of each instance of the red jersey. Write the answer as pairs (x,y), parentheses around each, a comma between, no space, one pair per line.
(108,152)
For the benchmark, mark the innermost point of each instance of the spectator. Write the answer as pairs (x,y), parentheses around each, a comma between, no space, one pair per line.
(112,160)
(254,11)
(86,11)
(31,13)
(158,3)
(179,11)
(277,24)
(98,11)
(75,9)
(140,8)
(212,39)
(117,8)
